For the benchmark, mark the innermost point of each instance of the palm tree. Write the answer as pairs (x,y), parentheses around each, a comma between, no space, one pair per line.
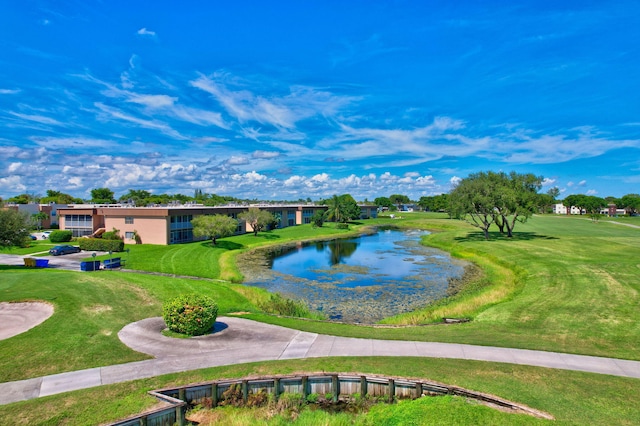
(335,209)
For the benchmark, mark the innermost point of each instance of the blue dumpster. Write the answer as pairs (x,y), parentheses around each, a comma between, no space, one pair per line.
(92,265)
(42,263)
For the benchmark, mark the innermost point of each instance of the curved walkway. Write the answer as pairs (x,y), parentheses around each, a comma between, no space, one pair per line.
(238,340)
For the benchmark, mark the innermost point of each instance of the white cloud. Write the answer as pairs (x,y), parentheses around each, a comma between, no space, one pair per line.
(9,91)
(37,118)
(12,184)
(153,101)
(114,113)
(592,192)
(238,160)
(146,32)
(13,167)
(265,154)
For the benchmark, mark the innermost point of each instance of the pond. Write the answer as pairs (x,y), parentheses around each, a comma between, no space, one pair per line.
(359,280)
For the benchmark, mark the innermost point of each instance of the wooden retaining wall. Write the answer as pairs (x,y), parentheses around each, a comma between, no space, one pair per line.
(339,386)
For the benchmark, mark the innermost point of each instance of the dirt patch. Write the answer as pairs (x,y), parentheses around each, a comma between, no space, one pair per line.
(97,309)
(16,318)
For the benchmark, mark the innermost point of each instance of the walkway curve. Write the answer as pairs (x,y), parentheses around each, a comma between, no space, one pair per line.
(239,340)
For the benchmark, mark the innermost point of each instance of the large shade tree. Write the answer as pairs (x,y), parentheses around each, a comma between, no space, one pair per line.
(631,203)
(14,228)
(102,196)
(473,200)
(516,198)
(485,198)
(214,226)
(257,219)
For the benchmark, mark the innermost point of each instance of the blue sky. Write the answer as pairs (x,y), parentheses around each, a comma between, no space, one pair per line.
(297,99)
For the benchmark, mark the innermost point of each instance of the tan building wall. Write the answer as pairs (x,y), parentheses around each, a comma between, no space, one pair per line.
(170,225)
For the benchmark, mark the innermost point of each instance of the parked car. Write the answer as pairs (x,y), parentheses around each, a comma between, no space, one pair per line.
(64,249)
(33,237)
(45,235)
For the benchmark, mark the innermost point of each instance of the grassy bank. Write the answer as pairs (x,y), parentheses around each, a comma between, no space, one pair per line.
(573,398)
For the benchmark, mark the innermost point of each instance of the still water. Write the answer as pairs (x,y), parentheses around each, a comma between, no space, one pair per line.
(361,279)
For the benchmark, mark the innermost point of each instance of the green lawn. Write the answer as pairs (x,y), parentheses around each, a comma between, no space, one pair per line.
(561,284)
(573,398)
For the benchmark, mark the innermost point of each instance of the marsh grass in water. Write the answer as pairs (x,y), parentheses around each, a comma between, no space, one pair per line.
(359,280)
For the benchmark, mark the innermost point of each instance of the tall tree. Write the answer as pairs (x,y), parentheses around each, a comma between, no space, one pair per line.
(485,198)
(631,203)
(383,202)
(399,200)
(335,209)
(102,196)
(14,228)
(139,197)
(25,198)
(257,219)
(473,200)
(594,205)
(516,197)
(38,218)
(59,198)
(214,226)
(351,208)
(434,203)
(574,200)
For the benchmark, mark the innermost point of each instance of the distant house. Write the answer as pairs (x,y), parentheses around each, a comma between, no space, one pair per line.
(562,209)
(51,210)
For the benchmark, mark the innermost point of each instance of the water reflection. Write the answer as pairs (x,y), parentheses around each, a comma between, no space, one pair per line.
(361,279)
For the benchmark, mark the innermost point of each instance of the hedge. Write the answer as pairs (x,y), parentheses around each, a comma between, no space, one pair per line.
(60,236)
(98,244)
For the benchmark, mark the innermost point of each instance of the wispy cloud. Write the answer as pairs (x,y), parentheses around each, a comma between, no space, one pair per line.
(9,91)
(37,118)
(146,33)
(115,113)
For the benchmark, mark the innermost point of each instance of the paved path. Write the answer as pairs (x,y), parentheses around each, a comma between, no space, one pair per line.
(70,262)
(238,340)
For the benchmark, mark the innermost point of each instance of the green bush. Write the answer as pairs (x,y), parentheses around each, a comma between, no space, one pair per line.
(60,236)
(98,244)
(111,235)
(190,314)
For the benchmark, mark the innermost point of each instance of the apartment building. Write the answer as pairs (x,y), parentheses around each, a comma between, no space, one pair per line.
(172,224)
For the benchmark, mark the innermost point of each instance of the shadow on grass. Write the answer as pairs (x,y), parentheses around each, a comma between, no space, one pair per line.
(224,245)
(497,236)
(15,267)
(266,235)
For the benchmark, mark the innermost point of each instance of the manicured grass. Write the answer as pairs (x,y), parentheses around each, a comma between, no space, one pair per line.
(561,284)
(566,284)
(573,398)
(90,309)
(34,246)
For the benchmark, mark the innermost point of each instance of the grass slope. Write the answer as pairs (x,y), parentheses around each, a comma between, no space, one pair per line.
(573,398)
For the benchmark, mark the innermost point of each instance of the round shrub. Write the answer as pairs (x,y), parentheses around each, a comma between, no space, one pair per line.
(190,314)
(60,236)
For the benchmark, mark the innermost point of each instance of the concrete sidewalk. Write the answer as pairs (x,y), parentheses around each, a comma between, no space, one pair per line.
(237,341)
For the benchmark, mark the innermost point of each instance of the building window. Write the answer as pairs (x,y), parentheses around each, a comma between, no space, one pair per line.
(128,235)
(128,220)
